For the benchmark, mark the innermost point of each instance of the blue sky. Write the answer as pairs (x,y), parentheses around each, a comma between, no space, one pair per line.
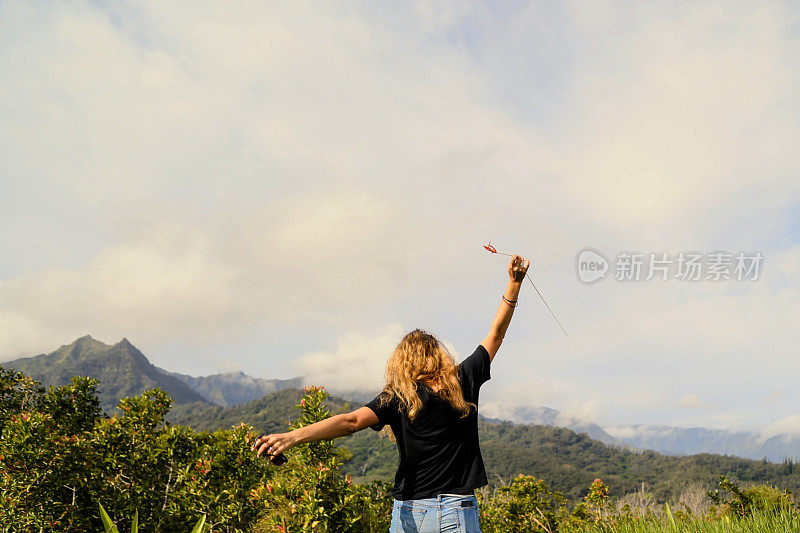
(288,189)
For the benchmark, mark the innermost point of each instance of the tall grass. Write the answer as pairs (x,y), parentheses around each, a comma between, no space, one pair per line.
(761,522)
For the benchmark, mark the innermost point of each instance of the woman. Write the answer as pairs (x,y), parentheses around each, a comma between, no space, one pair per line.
(430,404)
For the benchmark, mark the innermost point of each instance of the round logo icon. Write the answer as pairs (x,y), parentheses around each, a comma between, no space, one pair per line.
(592,266)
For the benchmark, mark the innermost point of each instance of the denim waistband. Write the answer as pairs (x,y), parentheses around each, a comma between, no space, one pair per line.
(442,500)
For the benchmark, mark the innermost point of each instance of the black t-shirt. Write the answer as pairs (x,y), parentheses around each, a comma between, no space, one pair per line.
(439,451)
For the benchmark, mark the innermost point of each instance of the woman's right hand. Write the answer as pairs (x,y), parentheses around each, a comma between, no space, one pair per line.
(273,445)
(517,268)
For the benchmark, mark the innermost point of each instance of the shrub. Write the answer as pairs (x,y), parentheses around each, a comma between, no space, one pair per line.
(527,504)
(60,457)
(309,492)
(756,498)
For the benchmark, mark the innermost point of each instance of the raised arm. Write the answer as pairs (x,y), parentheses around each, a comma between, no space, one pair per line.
(330,428)
(517,268)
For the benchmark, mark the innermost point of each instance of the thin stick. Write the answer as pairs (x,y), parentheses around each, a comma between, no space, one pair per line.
(493,250)
(545,304)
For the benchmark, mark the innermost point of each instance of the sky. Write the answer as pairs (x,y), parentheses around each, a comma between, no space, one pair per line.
(286,189)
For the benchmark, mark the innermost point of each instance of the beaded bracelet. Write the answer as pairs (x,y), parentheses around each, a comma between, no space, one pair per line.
(510,302)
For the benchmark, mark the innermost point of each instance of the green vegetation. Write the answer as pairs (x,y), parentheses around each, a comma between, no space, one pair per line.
(310,493)
(270,414)
(60,457)
(110,527)
(569,461)
(62,460)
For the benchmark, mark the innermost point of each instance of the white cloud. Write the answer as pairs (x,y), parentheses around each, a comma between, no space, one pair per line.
(772,398)
(502,396)
(163,283)
(787,264)
(357,363)
(693,401)
(646,432)
(278,150)
(789,425)
(656,137)
(580,412)
(323,169)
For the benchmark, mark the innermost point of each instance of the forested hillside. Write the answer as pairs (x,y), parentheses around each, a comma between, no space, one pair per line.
(123,371)
(567,460)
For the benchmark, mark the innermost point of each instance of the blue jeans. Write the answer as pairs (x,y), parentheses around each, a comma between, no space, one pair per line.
(450,513)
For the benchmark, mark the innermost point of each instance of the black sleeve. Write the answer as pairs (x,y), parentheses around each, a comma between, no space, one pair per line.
(477,366)
(384,411)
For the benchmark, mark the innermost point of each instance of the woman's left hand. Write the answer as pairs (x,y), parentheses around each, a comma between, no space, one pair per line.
(273,444)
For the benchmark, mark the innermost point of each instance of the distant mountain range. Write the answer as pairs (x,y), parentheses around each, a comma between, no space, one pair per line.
(670,440)
(545,416)
(688,441)
(124,371)
(568,461)
(234,388)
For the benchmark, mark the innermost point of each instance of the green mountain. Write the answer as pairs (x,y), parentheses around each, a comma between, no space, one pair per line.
(566,460)
(121,368)
(269,414)
(234,388)
(123,371)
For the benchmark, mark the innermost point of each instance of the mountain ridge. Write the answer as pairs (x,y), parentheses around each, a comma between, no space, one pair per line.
(233,388)
(674,440)
(124,371)
(569,461)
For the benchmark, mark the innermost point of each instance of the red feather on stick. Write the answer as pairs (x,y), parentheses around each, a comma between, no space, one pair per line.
(493,250)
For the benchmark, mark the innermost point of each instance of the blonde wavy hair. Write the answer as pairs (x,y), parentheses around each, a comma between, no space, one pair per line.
(420,358)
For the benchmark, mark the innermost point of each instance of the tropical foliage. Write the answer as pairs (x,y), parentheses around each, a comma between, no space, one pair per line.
(66,466)
(569,461)
(60,457)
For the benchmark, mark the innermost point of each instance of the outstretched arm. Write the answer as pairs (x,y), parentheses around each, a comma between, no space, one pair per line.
(517,269)
(330,428)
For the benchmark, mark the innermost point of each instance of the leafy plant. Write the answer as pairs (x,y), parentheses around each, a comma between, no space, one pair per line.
(110,527)
(310,493)
(59,455)
(527,504)
(743,502)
